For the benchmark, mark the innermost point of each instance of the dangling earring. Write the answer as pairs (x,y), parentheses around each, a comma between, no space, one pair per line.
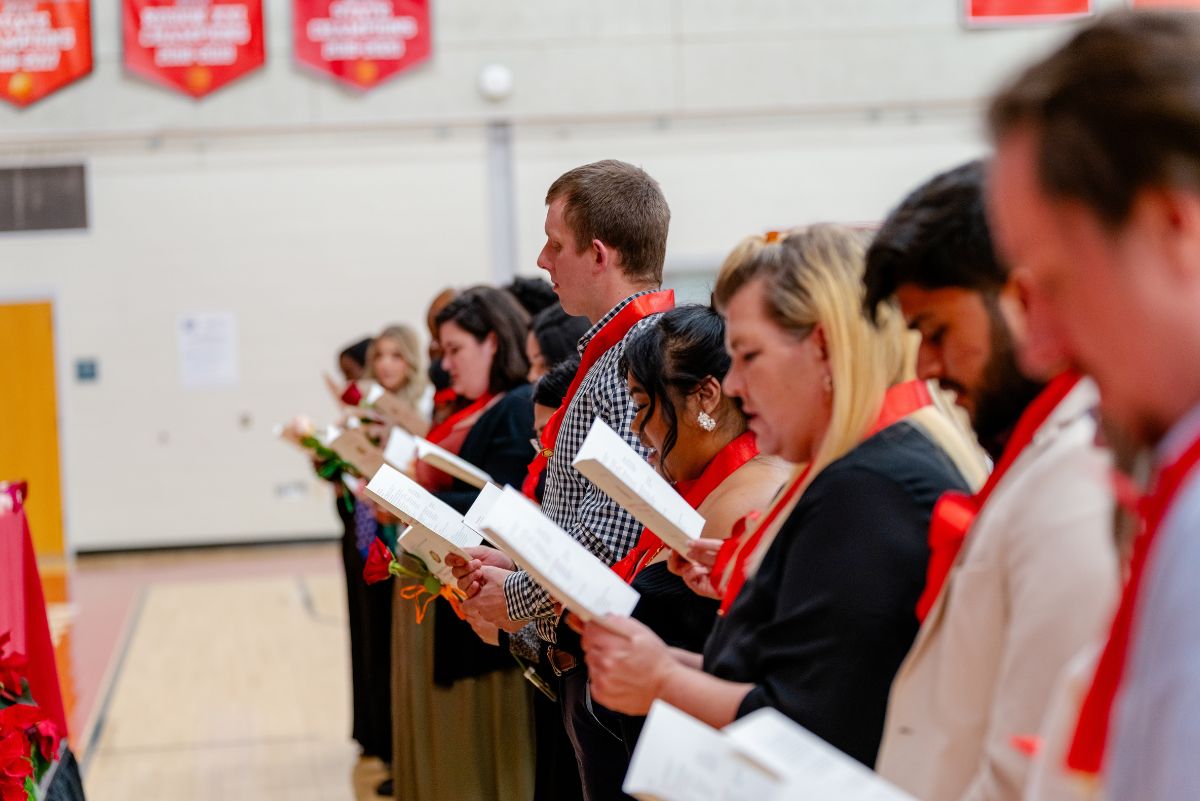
(706,422)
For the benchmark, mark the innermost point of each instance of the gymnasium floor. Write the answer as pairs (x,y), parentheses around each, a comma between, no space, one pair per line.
(210,674)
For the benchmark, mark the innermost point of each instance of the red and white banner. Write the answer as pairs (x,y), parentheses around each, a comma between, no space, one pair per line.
(361,42)
(1019,12)
(44,45)
(194,46)
(1193,5)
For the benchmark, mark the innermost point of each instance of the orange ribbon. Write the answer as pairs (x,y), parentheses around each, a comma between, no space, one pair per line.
(453,595)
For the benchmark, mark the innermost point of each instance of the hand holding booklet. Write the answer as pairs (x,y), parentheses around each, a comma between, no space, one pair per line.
(437,530)
(765,756)
(608,462)
(566,569)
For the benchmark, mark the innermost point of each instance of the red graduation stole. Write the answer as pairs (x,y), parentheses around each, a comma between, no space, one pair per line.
(1095,715)
(735,454)
(730,565)
(955,512)
(612,333)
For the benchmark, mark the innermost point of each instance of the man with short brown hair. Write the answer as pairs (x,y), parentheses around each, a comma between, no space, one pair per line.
(1095,204)
(606,238)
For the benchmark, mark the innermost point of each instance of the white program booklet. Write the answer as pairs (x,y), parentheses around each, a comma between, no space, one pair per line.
(608,462)
(432,550)
(678,758)
(487,498)
(566,569)
(401,449)
(451,464)
(764,755)
(815,769)
(438,530)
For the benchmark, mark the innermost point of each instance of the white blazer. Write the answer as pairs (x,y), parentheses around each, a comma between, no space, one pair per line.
(1035,581)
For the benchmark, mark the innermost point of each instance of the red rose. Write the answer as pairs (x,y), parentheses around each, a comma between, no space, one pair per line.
(352,395)
(16,765)
(379,562)
(23,718)
(12,668)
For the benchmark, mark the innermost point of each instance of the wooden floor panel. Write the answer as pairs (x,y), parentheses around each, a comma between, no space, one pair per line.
(232,690)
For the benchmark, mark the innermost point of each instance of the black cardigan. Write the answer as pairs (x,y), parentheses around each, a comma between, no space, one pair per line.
(822,627)
(498,444)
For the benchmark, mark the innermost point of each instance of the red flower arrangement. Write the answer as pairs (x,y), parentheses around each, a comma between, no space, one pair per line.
(29,740)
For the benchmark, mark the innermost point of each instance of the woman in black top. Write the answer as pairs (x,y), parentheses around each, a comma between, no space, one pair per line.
(698,441)
(836,566)
(452,692)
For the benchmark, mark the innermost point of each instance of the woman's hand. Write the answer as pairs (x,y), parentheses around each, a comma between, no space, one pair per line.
(470,574)
(628,664)
(698,577)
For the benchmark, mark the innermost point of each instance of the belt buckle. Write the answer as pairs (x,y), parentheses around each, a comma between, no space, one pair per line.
(561,662)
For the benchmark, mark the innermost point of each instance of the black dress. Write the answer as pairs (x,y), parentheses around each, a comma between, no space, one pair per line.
(822,627)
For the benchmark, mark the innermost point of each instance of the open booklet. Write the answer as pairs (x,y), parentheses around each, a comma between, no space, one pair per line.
(402,447)
(352,445)
(392,409)
(765,756)
(437,529)
(567,570)
(451,464)
(608,462)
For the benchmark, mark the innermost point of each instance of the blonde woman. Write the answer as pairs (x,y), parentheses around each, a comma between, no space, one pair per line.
(836,566)
(394,362)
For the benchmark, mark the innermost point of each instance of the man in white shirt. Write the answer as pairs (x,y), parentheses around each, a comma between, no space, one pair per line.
(1095,203)
(1007,618)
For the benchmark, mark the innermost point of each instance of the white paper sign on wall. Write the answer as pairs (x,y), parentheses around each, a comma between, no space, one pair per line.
(208,349)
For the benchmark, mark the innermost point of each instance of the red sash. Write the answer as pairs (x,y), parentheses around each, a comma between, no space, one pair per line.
(955,512)
(612,333)
(450,434)
(730,566)
(735,454)
(1091,733)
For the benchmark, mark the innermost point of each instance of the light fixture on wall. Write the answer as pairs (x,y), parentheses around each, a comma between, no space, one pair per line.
(495,82)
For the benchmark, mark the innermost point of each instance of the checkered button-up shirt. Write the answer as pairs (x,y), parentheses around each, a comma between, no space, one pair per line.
(574,503)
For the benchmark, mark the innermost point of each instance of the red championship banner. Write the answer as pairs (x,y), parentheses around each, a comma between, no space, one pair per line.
(194,46)
(44,45)
(1193,5)
(361,42)
(1019,12)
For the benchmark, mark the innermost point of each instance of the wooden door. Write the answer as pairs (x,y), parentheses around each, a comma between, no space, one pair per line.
(29,418)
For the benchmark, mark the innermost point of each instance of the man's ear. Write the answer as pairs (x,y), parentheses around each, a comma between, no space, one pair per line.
(1172,216)
(603,258)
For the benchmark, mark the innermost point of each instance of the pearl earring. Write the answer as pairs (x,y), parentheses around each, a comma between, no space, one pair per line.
(706,422)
